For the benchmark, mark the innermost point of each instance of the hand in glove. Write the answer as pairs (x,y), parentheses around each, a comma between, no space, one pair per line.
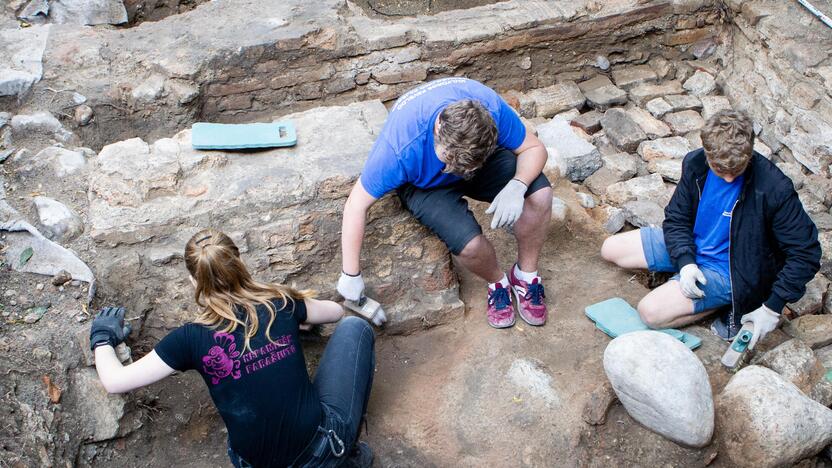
(508,204)
(379,318)
(108,327)
(764,319)
(351,287)
(688,277)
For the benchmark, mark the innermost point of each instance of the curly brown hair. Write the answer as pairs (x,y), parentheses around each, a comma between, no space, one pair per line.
(728,139)
(467,135)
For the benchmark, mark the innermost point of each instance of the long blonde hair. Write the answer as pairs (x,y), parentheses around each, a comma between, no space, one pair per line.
(223,283)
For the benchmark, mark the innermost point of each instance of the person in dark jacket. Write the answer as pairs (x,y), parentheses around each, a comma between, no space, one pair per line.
(736,234)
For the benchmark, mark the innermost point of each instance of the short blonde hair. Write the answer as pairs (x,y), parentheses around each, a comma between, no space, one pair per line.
(728,139)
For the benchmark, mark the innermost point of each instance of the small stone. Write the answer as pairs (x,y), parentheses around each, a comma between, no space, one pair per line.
(57,221)
(10,293)
(598,182)
(622,130)
(150,89)
(764,420)
(812,300)
(83,115)
(557,98)
(661,66)
(684,121)
(643,213)
(601,94)
(571,155)
(700,84)
(810,202)
(78,98)
(814,330)
(61,277)
(602,62)
(669,169)
(525,63)
(658,107)
(31,318)
(795,362)
(80,318)
(590,121)
(713,104)
(615,219)
(662,385)
(559,209)
(762,148)
(624,163)
(821,187)
(703,48)
(649,188)
(586,200)
(629,77)
(794,172)
(75,283)
(680,102)
(41,354)
(39,286)
(648,91)
(598,403)
(652,127)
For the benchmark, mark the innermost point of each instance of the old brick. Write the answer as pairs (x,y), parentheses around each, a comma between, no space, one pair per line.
(684,121)
(622,130)
(556,98)
(652,127)
(401,74)
(645,92)
(629,77)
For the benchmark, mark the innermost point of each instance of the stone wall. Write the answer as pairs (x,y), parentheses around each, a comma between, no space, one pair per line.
(779,70)
(246,60)
(282,207)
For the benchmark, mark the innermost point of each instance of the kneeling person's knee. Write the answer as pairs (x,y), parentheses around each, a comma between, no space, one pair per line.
(650,312)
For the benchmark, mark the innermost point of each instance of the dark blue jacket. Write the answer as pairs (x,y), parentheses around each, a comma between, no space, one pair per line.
(773,250)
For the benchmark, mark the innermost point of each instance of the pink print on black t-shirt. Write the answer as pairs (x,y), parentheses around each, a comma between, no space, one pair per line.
(222,359)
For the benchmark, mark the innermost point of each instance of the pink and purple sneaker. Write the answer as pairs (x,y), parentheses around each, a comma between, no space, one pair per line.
(531,304)
(500,310)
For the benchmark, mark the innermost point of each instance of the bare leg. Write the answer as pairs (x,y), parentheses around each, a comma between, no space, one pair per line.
(480,258)
(667,307)
(625,250)
(530,230)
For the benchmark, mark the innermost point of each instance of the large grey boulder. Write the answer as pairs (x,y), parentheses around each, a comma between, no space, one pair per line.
(100,411)
(21,59)
(814,330)
(570,155)
(765,421)
(662,385)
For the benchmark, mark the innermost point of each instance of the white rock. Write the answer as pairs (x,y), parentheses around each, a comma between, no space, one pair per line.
(658,107)
(669,169)
(88,12)
(150,89)
(765,421)
(652,127)
(586,200)
(700,84)
(647,188)
(57,222)
(623,163)
(100,411)
(665,148)
(662,385)
(641,213)
(559,209)
(574,157)
(63,162)
(21,59)
(713,104)
(615,219)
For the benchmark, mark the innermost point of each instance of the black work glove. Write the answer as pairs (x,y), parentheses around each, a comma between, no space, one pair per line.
(108,327)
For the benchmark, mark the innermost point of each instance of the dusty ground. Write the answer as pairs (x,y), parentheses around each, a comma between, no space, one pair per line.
(446,396)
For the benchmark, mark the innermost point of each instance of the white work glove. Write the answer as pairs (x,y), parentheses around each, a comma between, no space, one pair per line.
(508,204)
(688,277)
(351,287)
(764,319)
(379,318)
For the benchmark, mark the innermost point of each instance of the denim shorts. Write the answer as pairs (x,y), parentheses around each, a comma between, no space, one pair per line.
(717,290)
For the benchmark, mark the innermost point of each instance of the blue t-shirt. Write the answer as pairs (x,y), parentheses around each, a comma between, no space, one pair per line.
(404,151)
(711,232)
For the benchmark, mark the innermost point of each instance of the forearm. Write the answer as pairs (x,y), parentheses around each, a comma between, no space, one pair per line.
(352,237)
(318,311)
(109,368)
(530,164)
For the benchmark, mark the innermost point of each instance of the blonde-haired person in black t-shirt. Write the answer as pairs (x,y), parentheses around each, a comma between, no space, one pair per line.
(245,345)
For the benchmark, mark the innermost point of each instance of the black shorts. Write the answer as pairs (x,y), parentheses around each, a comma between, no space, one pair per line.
(446,212)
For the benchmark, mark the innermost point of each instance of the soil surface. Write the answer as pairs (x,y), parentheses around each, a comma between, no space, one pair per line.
(465,394)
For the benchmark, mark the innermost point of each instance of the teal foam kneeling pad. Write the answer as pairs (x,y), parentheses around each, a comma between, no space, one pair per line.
(207,136)
(616,317)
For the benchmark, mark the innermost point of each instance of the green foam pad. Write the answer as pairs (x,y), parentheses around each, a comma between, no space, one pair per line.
(207,136)
(616,317)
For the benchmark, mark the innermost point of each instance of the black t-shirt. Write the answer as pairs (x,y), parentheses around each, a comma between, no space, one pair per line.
(264,395)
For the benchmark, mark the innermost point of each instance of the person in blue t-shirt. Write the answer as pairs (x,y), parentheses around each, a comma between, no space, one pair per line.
(734,231)
(443,141)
